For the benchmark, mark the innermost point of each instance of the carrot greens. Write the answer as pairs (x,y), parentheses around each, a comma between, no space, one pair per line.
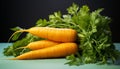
(93,30)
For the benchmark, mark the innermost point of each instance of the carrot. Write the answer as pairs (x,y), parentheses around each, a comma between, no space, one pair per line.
(54,34)
(60,50)
(40,44)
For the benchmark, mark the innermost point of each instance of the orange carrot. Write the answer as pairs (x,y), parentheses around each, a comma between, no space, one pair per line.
(60,50)
(54,34)
(40,44)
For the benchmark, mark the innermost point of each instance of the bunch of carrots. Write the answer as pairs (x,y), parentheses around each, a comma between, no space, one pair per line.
(58,42)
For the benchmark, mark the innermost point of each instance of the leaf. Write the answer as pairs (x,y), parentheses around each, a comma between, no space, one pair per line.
(16,28)
(41,23)
(73,9)
(16,36)
(73,60)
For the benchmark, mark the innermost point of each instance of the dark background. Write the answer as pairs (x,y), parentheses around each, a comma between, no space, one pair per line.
(25,13)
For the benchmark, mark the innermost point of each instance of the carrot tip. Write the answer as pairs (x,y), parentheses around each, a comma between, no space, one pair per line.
(15,33)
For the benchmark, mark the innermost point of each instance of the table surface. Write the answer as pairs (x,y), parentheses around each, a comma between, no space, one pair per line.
(48,63)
